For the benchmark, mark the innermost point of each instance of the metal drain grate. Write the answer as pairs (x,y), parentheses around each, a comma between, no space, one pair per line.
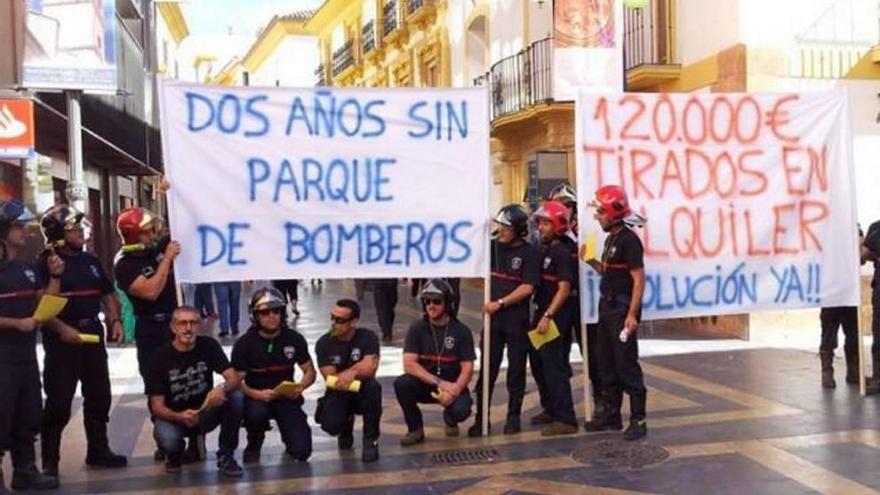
(621,454)
(478,456)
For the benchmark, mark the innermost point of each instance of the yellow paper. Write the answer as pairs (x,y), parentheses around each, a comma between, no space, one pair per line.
(538,339)
(589,250)
(89,338)
(355,385)
(49,307)
(287,387)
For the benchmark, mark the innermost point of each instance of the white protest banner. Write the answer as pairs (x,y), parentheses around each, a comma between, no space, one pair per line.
(749,198)
(270,183)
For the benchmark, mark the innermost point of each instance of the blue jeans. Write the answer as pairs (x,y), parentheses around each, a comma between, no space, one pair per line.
(228,300)
(170,435)
(292,423)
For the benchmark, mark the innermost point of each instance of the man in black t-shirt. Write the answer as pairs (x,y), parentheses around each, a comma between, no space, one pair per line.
(267,355)
(620,309)
(515,275)
(550,364)
(438,361)
(348,353)
(183,398)
(87,290)
(21,404)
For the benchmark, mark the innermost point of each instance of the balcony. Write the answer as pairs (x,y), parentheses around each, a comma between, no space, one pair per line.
(321,76)
(343,59)
(841,37)
(368,37)
(393,31)
(648,54)
(522,80)
(421,13)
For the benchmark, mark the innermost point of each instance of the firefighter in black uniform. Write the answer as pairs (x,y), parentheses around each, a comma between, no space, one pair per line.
(566,195)
(620,307)
(385,299)
(550,364)
(438,363)
(348,353)
(86,288)
(21,405)
(144,272)
(515,274)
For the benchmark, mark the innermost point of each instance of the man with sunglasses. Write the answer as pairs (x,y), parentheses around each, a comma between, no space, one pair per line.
(87,289)
(267,355)
(350,353)
(621,288)
(144,271)
(438,362)
(183,397)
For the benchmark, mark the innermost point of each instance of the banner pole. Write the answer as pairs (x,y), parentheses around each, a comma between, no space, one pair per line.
(862,354)
(485,352)
(588,397)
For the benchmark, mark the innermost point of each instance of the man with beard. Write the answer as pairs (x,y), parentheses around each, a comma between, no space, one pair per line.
(620,309)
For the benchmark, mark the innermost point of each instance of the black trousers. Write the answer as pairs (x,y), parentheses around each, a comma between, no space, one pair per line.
(20,411)
(149,336)
(290,418)
(834,318)
(336,410)
(551,368)
(411,392)
(289,287)
(63,367)
(509,329)
(618,362)
(385,299)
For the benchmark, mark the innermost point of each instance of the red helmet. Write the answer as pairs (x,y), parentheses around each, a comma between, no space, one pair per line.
(612,199)
(556,213)
(133,221)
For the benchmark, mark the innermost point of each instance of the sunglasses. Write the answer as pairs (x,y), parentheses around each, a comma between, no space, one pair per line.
(431,300)
(341,320)
(267,312)
(187,323)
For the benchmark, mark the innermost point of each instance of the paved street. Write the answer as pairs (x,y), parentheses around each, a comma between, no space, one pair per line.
(741,420)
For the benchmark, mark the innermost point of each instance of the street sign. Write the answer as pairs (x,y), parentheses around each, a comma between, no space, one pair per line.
(16,128)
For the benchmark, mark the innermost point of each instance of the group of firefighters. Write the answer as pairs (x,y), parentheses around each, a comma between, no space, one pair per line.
(534,287)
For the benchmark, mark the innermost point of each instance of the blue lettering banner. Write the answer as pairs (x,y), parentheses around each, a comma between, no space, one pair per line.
(272,183)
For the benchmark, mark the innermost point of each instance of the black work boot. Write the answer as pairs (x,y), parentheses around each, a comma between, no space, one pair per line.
(50,446)
(98,451)
(638,427)
(251,453)
(852,367)
(512,425)
(345,440)
(872,385)
(827,360)
(25,475)
(371,451)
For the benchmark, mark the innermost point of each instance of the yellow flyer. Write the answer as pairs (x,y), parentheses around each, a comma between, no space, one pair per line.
(538,340)
(49,307)
(89,338)
(287,387)
(355,385)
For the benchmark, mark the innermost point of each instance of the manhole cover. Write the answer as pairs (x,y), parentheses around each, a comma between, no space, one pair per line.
(621,454)
(478,456)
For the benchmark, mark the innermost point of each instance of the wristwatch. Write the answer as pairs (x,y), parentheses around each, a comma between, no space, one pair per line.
(437,380)
(548,315)
(500,302)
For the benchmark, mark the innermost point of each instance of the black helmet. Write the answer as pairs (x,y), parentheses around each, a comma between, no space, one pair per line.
(440,287)
(515,217)
(12,211)
(565,194)
(59,219)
